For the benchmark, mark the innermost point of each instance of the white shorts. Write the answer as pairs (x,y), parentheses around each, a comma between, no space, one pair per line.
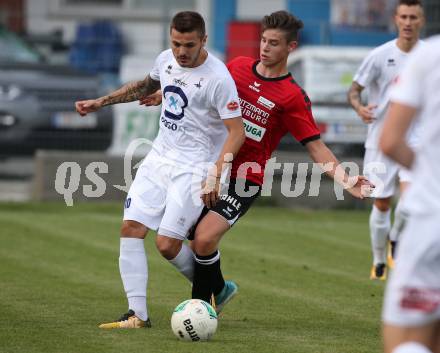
(412,297)
(164,197)
(383,173)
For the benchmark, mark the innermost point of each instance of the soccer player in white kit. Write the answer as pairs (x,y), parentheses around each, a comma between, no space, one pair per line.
(376,73)
(411,312)
(200,123)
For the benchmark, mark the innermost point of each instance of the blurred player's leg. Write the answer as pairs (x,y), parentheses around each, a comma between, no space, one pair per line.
(383,173)
(400,217)
(398,339)
(399,221)
(380,224)
(411,311)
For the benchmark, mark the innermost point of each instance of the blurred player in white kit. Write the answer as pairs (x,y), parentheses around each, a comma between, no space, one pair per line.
(376,74)
(411,312)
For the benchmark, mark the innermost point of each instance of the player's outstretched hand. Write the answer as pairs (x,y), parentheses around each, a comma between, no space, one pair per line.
(360,187)
(210,191)
(152,99)
(87,106)
(367,113)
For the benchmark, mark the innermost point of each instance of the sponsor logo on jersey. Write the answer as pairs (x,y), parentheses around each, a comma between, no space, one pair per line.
(175,102)
(253,131)
(169,124)
(180,82)
(168,69)
(199,84)
(255,86)
(391,62)
(232,105)
(266,102)
(250,111)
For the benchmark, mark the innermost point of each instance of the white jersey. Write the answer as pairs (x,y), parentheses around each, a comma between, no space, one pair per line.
(418,86)
(194,102)
(377,72)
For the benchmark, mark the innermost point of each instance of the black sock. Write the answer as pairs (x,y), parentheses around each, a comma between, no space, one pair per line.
(207,276)
(393,248)
(218,281)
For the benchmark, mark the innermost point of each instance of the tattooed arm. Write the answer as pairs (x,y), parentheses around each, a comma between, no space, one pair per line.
(130,92)
(354,98)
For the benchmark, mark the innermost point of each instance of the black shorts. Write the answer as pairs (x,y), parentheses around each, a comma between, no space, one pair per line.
(234,203)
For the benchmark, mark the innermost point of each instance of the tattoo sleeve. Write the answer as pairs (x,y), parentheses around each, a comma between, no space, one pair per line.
(132,91)
(354,95)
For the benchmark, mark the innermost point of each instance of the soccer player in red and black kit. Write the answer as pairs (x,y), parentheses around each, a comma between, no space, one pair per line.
(272,104)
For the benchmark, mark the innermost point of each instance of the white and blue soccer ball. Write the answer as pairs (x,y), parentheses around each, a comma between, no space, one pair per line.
(194,320)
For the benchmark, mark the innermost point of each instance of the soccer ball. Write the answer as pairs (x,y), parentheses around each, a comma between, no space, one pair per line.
(194,320)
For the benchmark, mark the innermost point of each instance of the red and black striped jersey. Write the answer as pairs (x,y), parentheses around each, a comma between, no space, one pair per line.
(271,107)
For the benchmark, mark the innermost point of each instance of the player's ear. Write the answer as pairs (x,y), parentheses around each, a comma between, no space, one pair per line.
(204,39)
(291,46)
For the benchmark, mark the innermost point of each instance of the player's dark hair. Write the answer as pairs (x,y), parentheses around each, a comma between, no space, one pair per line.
(283,21)
(410,3)
(188,21)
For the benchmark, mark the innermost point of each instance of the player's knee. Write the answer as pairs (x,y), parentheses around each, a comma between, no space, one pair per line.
(168,247)
(133,229)
(204,245)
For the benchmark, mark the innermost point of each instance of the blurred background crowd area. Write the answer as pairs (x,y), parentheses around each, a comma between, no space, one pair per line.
(95,34)
(117,41)
(55,52)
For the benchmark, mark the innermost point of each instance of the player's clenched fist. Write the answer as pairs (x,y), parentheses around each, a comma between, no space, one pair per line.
(87,106)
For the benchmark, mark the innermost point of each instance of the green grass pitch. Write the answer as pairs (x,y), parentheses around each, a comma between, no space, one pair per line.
(303,278)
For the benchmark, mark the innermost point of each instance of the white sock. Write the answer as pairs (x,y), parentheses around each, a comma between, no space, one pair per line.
(400,216)
(134,273)
(184,262)
(411,347)
(380,224)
